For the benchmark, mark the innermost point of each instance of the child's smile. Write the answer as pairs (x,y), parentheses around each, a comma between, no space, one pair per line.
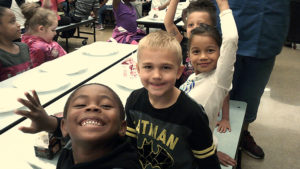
(93,115)
(204,53)
(158,70)
(91,122)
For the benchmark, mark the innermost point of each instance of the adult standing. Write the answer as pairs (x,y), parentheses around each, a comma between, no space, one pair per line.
(262,27)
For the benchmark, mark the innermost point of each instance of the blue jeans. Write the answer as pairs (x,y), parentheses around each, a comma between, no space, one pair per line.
(101,11)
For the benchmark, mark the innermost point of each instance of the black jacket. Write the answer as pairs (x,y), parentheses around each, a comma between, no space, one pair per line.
(123,156)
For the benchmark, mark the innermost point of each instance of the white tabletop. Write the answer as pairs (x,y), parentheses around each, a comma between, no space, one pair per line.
(17,149)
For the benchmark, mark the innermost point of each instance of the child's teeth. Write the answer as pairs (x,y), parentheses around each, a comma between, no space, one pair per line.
(91,122)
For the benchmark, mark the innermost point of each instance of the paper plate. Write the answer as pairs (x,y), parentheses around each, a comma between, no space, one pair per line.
(101,50)
(8,99)
(42,82)
(67,68)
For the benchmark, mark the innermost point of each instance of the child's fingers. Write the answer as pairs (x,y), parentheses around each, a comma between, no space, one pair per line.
(36,97)
(29,114)
(31,99)
(27,104)
(27,129)
(24,113)
(225,159)
(229,128)
(230,161)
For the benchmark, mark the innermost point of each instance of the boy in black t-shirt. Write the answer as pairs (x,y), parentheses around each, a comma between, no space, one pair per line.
(169,129)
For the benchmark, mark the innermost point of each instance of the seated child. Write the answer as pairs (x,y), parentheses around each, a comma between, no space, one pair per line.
(213,61)
(94,119)
(84,8)
(169,129)
(15,57)
(40,27)
(126,30)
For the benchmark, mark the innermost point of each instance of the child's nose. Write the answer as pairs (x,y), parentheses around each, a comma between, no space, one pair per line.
(92,108)
(157,74)
(203,56)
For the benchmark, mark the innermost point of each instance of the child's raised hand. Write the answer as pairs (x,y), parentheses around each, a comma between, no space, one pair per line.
(40,121)
(223,125)
(222,4)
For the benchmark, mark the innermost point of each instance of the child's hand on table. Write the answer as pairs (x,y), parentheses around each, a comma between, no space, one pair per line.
(225,159)
(223,125)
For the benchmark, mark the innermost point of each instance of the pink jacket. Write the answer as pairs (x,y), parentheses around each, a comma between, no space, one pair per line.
(42,51)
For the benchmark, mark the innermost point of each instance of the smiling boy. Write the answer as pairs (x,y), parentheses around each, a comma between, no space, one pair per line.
(94,120)
(169,129)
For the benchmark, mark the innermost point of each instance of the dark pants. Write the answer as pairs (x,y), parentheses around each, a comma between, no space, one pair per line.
(250,78)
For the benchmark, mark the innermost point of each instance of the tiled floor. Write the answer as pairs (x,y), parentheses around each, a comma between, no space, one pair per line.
(277,128)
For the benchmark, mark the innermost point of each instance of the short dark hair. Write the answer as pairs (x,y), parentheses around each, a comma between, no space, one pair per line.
(206,30)
(201,6)
(116,97)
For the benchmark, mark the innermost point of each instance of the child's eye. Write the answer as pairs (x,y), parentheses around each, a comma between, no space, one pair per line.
(147,67)
(166,67)
(211,50)
(195,52)
(13,21)
(79,105)
(190,25)
(106,106)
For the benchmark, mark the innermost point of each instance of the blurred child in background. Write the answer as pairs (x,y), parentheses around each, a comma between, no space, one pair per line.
(40,27)
(14,55)
(126,30)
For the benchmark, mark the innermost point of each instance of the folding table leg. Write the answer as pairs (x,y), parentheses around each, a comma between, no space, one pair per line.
(239,158)
(67,45)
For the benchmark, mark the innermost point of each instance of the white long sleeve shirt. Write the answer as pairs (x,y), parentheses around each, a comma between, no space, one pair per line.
(210,88)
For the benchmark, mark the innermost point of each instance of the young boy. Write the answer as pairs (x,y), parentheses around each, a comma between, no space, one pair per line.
(93,118)
(169,129)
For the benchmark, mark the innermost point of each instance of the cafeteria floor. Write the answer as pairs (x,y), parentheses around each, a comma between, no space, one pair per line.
(277,128)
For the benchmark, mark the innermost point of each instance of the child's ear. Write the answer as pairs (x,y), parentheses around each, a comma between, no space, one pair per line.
(63,127)
(179,72)
(40,28)
(137,67)
(123,127)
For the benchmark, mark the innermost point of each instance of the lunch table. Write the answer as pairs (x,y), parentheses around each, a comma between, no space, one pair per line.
(150,21)
(50,79)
